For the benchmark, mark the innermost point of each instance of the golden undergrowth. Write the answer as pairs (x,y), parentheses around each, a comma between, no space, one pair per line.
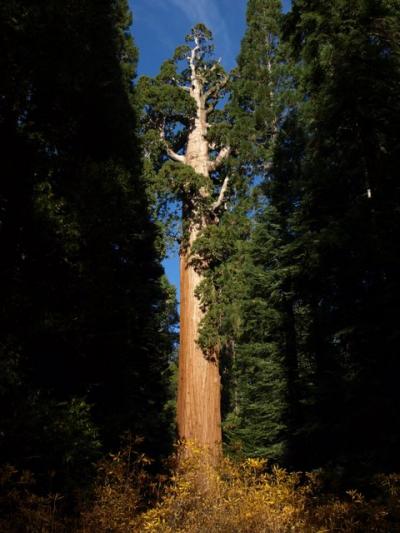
(237,497)
(246,497)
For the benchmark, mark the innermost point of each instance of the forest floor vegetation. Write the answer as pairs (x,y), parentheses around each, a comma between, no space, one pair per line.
(244,497)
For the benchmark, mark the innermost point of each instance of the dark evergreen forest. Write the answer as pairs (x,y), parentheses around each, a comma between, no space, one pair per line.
(297,253)
(85,312)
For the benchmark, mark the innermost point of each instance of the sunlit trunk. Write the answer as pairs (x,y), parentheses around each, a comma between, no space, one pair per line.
(199,416)
(199,386)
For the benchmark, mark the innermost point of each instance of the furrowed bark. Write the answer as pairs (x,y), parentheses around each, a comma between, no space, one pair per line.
(199,417)
(199,386)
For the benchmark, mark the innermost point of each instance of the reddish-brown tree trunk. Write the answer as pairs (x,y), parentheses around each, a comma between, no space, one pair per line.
(199,389)
(199,385)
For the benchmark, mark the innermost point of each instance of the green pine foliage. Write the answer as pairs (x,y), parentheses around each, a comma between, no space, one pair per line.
(325,247)
(311,379)
(347,223)
(256,403)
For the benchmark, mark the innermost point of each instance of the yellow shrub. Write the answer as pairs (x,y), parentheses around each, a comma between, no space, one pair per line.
(247,497)
(118,494)
(251,498)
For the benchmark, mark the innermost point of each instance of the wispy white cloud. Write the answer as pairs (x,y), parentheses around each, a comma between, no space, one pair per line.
(208,12)
(167,21)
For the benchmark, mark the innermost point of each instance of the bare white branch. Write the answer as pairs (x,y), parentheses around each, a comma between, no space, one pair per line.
(184,87)
(216,88)
(221,197)
(192,57)
(267,167)
(223,154)
(170,152)
(174,156)
(215,65)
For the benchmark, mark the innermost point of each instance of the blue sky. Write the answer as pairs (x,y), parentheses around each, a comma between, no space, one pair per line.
(159,26)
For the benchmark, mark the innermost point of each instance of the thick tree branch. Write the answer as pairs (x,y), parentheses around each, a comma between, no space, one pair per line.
(221,197)
(210,108)
(267,167)
(177,84)
(173,155)
(215,65)
(170,152)
(223,154)
(215,89)
(192,57)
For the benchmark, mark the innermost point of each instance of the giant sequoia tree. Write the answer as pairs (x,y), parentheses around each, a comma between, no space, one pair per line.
(187,133)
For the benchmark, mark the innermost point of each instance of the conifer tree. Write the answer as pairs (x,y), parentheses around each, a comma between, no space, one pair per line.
(257,419)
(317,339)
(337,192)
